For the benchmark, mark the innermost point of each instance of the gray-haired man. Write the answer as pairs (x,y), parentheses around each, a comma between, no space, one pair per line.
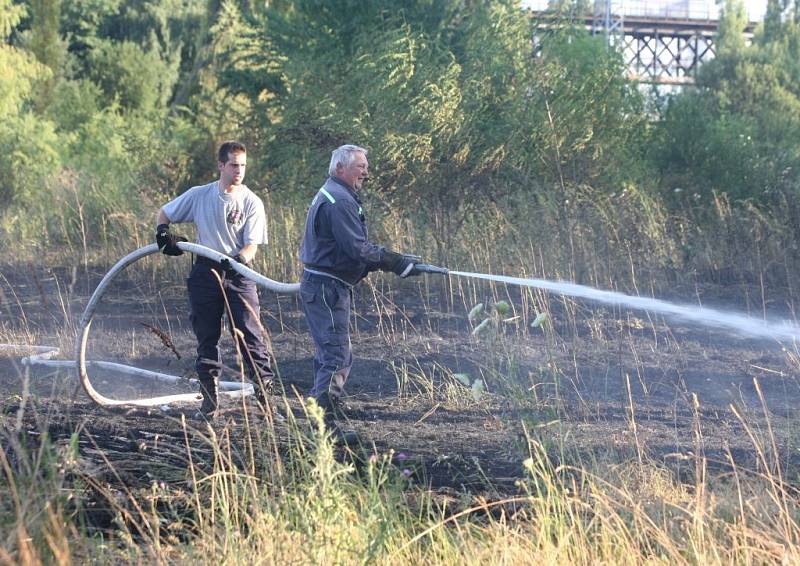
(337,254)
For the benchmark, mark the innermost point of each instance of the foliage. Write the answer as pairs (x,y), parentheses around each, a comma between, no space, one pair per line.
(237,498)
(10,16)
(592,118)
(446,95)
(86,122)
(27,142)
(732,21)
(740,133)
(131,77)
(45,41)
(489,321)
(475,132)
(19,71)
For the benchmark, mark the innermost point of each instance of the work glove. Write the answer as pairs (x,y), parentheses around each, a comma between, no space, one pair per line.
(403,265)
(227,266)
(168,242)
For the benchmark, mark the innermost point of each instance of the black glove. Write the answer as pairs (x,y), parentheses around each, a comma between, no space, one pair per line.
(167,242)
(225,263)
(400,264)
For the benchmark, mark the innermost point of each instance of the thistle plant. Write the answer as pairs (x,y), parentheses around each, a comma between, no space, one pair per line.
(493,317)
(477,388)
(488,321)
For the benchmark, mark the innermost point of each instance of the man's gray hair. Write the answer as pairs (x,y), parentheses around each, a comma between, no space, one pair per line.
(344,155)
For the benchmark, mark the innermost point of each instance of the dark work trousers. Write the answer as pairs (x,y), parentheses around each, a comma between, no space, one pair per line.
(208,306)
(326,304)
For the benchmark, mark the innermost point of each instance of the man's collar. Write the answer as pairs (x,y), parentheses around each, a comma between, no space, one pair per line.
(222,191)
(336,179)
(353,192)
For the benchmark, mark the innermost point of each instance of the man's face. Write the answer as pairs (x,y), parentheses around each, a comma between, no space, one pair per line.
(356,173)
(232,172)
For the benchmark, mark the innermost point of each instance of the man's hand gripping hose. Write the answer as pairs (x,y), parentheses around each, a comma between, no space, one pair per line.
(419,267)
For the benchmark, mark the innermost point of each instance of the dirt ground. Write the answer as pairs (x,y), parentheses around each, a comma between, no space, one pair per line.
(594,382)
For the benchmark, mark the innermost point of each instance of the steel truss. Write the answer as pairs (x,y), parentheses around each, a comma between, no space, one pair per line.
(670,57)
(657,49)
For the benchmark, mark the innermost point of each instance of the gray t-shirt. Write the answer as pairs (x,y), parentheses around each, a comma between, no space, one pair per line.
(225,222)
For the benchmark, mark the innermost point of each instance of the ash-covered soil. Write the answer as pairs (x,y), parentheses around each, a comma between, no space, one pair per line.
(593,383)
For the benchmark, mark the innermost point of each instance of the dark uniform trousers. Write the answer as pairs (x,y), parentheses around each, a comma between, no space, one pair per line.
(207,307)
(326,304)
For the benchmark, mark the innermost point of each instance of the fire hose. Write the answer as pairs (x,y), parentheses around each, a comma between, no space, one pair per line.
(229,388)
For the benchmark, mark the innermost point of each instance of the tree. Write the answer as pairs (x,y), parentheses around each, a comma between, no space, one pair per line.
(773,20)
(743,127)
(448,95)
(135,78)
(732,21)
(571,8)
(10,16)
(28,144)
(44,40)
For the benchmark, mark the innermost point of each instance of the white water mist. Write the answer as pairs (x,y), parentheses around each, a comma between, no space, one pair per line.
(739,323)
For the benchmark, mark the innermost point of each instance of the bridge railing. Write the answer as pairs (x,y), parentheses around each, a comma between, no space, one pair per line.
(701,10)
(672,10)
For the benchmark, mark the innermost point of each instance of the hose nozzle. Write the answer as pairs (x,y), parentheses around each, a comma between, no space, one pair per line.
(428,268)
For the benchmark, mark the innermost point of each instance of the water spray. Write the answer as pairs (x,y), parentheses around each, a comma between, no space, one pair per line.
(738,323)
(733,322)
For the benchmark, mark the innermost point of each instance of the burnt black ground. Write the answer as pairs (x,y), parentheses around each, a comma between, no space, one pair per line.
(599,383)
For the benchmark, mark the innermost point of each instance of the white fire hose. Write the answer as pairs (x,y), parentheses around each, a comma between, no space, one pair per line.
(230,388)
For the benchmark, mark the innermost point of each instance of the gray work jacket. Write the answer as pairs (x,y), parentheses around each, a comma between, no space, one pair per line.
(336,241)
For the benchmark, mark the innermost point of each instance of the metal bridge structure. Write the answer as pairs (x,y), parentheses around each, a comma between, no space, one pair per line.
(662,42)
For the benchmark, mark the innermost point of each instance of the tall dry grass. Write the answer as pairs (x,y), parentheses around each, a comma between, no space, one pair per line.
(305,505)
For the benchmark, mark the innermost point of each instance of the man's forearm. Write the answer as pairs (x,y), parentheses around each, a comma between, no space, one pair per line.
(162,218)
(248,252)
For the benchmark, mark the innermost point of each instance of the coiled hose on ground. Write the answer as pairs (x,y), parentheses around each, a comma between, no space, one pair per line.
(231,388)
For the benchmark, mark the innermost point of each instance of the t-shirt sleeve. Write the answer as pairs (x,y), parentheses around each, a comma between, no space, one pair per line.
(180,209)
(255,225)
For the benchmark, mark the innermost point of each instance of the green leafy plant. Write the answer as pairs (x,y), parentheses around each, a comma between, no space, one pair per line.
(489,321)
(477,388)
(539,320)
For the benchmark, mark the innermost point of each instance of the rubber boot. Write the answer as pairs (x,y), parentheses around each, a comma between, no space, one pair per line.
(262,391)
(263,388)
(209,388)
(336,420)
(329,407)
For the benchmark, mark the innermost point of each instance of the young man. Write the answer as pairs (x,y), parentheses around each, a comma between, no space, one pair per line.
(337,254)
(230,219)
